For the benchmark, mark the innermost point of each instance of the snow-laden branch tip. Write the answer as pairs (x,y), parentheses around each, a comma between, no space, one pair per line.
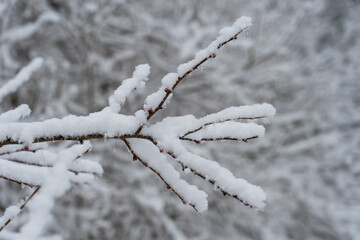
(150,156)
(12,211)
(14,115)
(23,76)
(48,171)
(140,76)
(55,183)
(161,97)
(169,133)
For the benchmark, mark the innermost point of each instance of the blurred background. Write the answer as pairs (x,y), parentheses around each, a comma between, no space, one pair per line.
(301,56)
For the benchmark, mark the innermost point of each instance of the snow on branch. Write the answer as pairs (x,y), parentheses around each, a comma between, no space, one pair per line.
(7,149)
(34,169)
(104,124)
(14,115)
(55,184)
(31,168)
(227,131)
(224,180)
(160,98)
(140,76)
(253,112)
(150,157)
(23,76)
(12,211)
(258,111)
(25,159)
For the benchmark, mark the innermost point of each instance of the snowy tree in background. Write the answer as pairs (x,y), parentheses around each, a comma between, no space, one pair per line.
(300,56)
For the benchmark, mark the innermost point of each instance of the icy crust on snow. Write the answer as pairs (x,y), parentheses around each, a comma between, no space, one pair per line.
(229,129)
(224,34)
(23,76)
(105,122)
(10,213)
(151,155)
(14,115)
(140,76)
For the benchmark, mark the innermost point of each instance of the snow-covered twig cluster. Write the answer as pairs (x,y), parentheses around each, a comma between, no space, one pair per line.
(25,159)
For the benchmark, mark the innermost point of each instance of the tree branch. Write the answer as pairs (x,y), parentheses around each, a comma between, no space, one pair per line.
(74,138)
(227,120)
(136,157)
(180,78)
(213,182)
(218,139)
(21,207)
(209,180)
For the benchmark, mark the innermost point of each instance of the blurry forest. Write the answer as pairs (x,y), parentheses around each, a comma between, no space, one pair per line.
(301,56)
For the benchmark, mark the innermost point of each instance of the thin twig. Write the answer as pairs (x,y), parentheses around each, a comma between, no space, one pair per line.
(19,150)
(135,156)
(79,138)
(18,182)
(218,139)
(21,207)
(47,166)
(202,176)
(180,78)
(39,165)
(226,120)
(213,182)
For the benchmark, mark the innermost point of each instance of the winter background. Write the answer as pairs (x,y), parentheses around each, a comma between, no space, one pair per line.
(301,56)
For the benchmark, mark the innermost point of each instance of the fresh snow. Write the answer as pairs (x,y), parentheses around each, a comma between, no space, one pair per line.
(140,76)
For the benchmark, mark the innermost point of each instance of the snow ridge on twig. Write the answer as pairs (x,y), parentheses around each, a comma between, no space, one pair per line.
(140,76)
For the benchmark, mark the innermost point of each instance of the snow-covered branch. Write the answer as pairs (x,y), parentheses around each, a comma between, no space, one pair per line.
(12,211)
(140,76)
(14,115)
(34,168)
(160,98)
(26,159)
